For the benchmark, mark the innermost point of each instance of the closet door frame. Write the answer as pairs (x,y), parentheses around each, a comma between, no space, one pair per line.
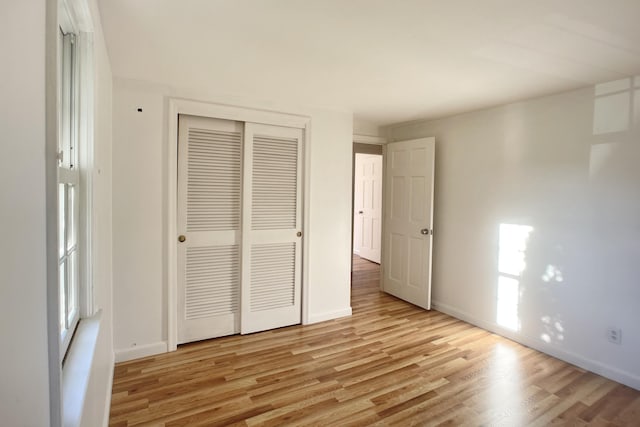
(179,106)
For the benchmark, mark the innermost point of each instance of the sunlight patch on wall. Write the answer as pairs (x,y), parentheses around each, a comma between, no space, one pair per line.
(552,274)
(512,247)
(616,109)
(554,330)
(508,296)
(598,157)
(613,106)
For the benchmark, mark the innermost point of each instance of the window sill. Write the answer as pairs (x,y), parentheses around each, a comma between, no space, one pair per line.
(77,369)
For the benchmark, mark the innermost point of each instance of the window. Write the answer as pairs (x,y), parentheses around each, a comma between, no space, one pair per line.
(69,193)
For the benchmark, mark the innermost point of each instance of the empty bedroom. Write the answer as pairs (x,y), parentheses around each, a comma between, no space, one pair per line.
(320,212)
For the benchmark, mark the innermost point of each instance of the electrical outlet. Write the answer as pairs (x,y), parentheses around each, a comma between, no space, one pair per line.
(614,335)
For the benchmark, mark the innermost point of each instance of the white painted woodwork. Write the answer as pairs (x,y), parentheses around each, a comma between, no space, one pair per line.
(239,209)
(271,248)
(209,199)
(367,212)
(409,183)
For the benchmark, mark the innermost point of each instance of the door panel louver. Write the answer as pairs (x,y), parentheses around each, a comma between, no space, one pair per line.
(209,209)
(274,183)
(239,217)
(213,180)
(272,276)
(212,282)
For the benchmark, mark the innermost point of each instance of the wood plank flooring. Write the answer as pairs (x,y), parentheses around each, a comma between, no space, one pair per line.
(389,364)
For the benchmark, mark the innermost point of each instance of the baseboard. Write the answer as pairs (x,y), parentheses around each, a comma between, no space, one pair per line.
(140,351)
(615,374)
(330,315)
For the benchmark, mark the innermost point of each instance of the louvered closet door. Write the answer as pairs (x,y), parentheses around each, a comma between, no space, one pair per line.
(209,201)
(271,221)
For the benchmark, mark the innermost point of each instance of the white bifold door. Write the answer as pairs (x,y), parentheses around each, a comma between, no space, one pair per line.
(408,220)
(239,222)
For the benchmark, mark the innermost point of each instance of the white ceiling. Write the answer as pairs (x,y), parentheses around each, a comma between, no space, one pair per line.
(387,61)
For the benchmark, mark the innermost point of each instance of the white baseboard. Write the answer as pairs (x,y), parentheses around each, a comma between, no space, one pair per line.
(140,351)
(615,374)
(329,315)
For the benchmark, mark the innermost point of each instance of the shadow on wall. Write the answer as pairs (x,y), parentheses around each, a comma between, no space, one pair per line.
(542,268)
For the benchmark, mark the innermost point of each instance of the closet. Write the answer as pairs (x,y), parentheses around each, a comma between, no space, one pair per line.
(239,225)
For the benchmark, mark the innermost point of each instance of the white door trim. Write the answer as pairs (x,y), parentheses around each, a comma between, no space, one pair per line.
(229,112)
(366,139)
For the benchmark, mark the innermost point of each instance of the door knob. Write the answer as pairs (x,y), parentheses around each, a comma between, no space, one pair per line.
(181,238)
(424,231)
(299,234)
(360,212)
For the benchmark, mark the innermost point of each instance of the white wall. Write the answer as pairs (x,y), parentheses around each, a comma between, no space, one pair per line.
(567,166)
(24,374)
(140,206)
(365,127)
(330,216)
(24,386)
(139,296)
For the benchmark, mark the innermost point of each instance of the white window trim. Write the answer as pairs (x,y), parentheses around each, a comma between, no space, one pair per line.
(67,172)
(74,17)
(69,383)
(86,166)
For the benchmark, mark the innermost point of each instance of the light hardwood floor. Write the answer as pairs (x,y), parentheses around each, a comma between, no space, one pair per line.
(389,364)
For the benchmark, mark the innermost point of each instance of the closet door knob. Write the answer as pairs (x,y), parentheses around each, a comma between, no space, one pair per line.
(181,238)
(299,234)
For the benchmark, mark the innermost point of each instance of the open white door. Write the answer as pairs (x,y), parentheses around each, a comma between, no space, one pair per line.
(209,196)
(272,224)
(367,212)
(408,220)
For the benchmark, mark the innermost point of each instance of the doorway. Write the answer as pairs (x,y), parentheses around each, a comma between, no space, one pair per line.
(367,149)
(367,206)
(407,215)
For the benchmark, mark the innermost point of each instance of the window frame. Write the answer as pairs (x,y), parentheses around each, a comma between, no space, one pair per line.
(75,141)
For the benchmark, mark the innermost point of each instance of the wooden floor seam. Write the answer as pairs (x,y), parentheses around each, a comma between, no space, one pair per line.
(389,364)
